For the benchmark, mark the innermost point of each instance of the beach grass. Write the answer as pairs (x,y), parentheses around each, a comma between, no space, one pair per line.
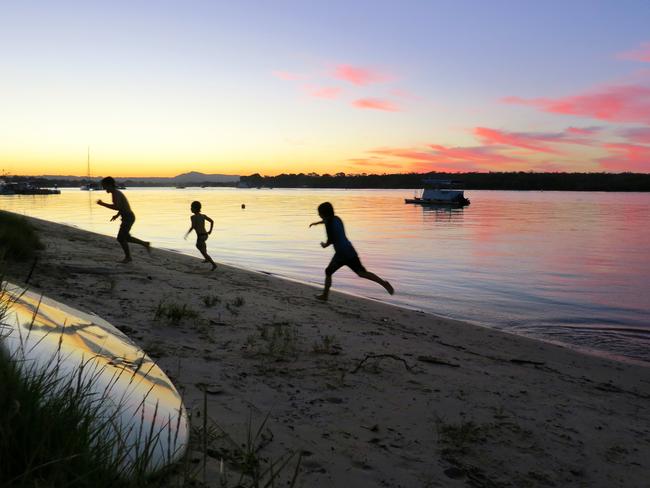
(243,462)
(18,239)
(210,300)
(174,313)
(277,341)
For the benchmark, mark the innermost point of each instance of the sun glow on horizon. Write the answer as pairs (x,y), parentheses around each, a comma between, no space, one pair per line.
(159,92)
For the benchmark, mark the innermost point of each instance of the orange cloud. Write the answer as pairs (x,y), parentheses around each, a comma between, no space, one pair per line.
(642,54)
(358,76)
(375,104)
(374,162)
(627,157)
(623,103)
(549,167)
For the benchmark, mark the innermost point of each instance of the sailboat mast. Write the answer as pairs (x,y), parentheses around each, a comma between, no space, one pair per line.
(88,162)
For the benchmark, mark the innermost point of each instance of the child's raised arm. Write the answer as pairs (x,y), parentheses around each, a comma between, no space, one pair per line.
(108,205)
(211,223)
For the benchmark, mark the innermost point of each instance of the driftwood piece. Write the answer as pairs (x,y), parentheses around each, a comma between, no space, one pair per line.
(381,356)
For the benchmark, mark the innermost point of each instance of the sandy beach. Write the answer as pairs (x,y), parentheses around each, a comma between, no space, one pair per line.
(370,394)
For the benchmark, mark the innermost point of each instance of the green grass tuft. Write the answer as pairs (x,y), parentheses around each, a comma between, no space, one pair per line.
(18,239)
(174,313)
(210,300)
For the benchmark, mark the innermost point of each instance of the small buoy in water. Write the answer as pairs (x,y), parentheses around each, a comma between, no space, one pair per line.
(243,205)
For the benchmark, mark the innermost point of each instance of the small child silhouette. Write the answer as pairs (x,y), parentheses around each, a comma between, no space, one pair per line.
(198,224)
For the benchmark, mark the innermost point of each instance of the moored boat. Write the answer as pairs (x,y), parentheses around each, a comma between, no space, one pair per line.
(438,192)
(26,188)
(6,188)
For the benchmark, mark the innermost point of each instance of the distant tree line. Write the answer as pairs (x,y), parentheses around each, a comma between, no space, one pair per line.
(470,181)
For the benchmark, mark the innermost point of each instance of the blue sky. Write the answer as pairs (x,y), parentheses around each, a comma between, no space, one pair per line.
(163,87)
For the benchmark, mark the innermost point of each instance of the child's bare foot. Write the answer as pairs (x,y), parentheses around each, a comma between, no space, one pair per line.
(125,260)
(214,266)
(147,246)
(389,287)
(322,297)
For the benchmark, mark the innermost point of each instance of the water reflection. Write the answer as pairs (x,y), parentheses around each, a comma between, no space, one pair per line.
(44,334)
(512,260)
(442,213)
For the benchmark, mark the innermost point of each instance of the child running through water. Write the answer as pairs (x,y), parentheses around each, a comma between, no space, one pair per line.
(198,224)
(344,253)
(121,204)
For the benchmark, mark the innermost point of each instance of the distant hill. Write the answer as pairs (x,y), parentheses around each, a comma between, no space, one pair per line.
(196,177)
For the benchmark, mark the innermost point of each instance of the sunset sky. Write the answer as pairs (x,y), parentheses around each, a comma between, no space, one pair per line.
(157,88)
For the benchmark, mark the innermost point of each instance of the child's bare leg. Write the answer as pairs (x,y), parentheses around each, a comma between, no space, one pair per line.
(326,290)
(373,277)
(125,248)
(135,240)
(208,259)
(203,249)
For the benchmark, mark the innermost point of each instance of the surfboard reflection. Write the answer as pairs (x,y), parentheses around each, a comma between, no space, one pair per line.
(43,333)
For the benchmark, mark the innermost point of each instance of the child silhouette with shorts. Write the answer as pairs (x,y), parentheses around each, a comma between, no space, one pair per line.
(344,252)
(198,224)
(121,204)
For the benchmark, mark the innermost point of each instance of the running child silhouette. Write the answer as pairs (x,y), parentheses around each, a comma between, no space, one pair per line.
(121,204)
(198,224)
(344,253)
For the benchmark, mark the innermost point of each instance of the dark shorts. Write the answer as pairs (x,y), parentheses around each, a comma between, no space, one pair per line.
(200,239)
(338,261)
(125,227)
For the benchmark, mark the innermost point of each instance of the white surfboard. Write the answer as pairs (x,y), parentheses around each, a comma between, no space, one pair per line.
(148,418)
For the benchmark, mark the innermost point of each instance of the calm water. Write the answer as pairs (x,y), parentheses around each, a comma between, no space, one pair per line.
(566,267)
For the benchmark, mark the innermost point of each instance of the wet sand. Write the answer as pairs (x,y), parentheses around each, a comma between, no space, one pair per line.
(371,394)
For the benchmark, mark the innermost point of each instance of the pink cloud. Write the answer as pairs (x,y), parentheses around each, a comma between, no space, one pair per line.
(523,140)
(358,76)
(642,54)
(399,93)
(584,131)
(287,76)
(435,157)
(638,136)
(375,104)
(623,103)
(627,157)
(329,92)
(534,141)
